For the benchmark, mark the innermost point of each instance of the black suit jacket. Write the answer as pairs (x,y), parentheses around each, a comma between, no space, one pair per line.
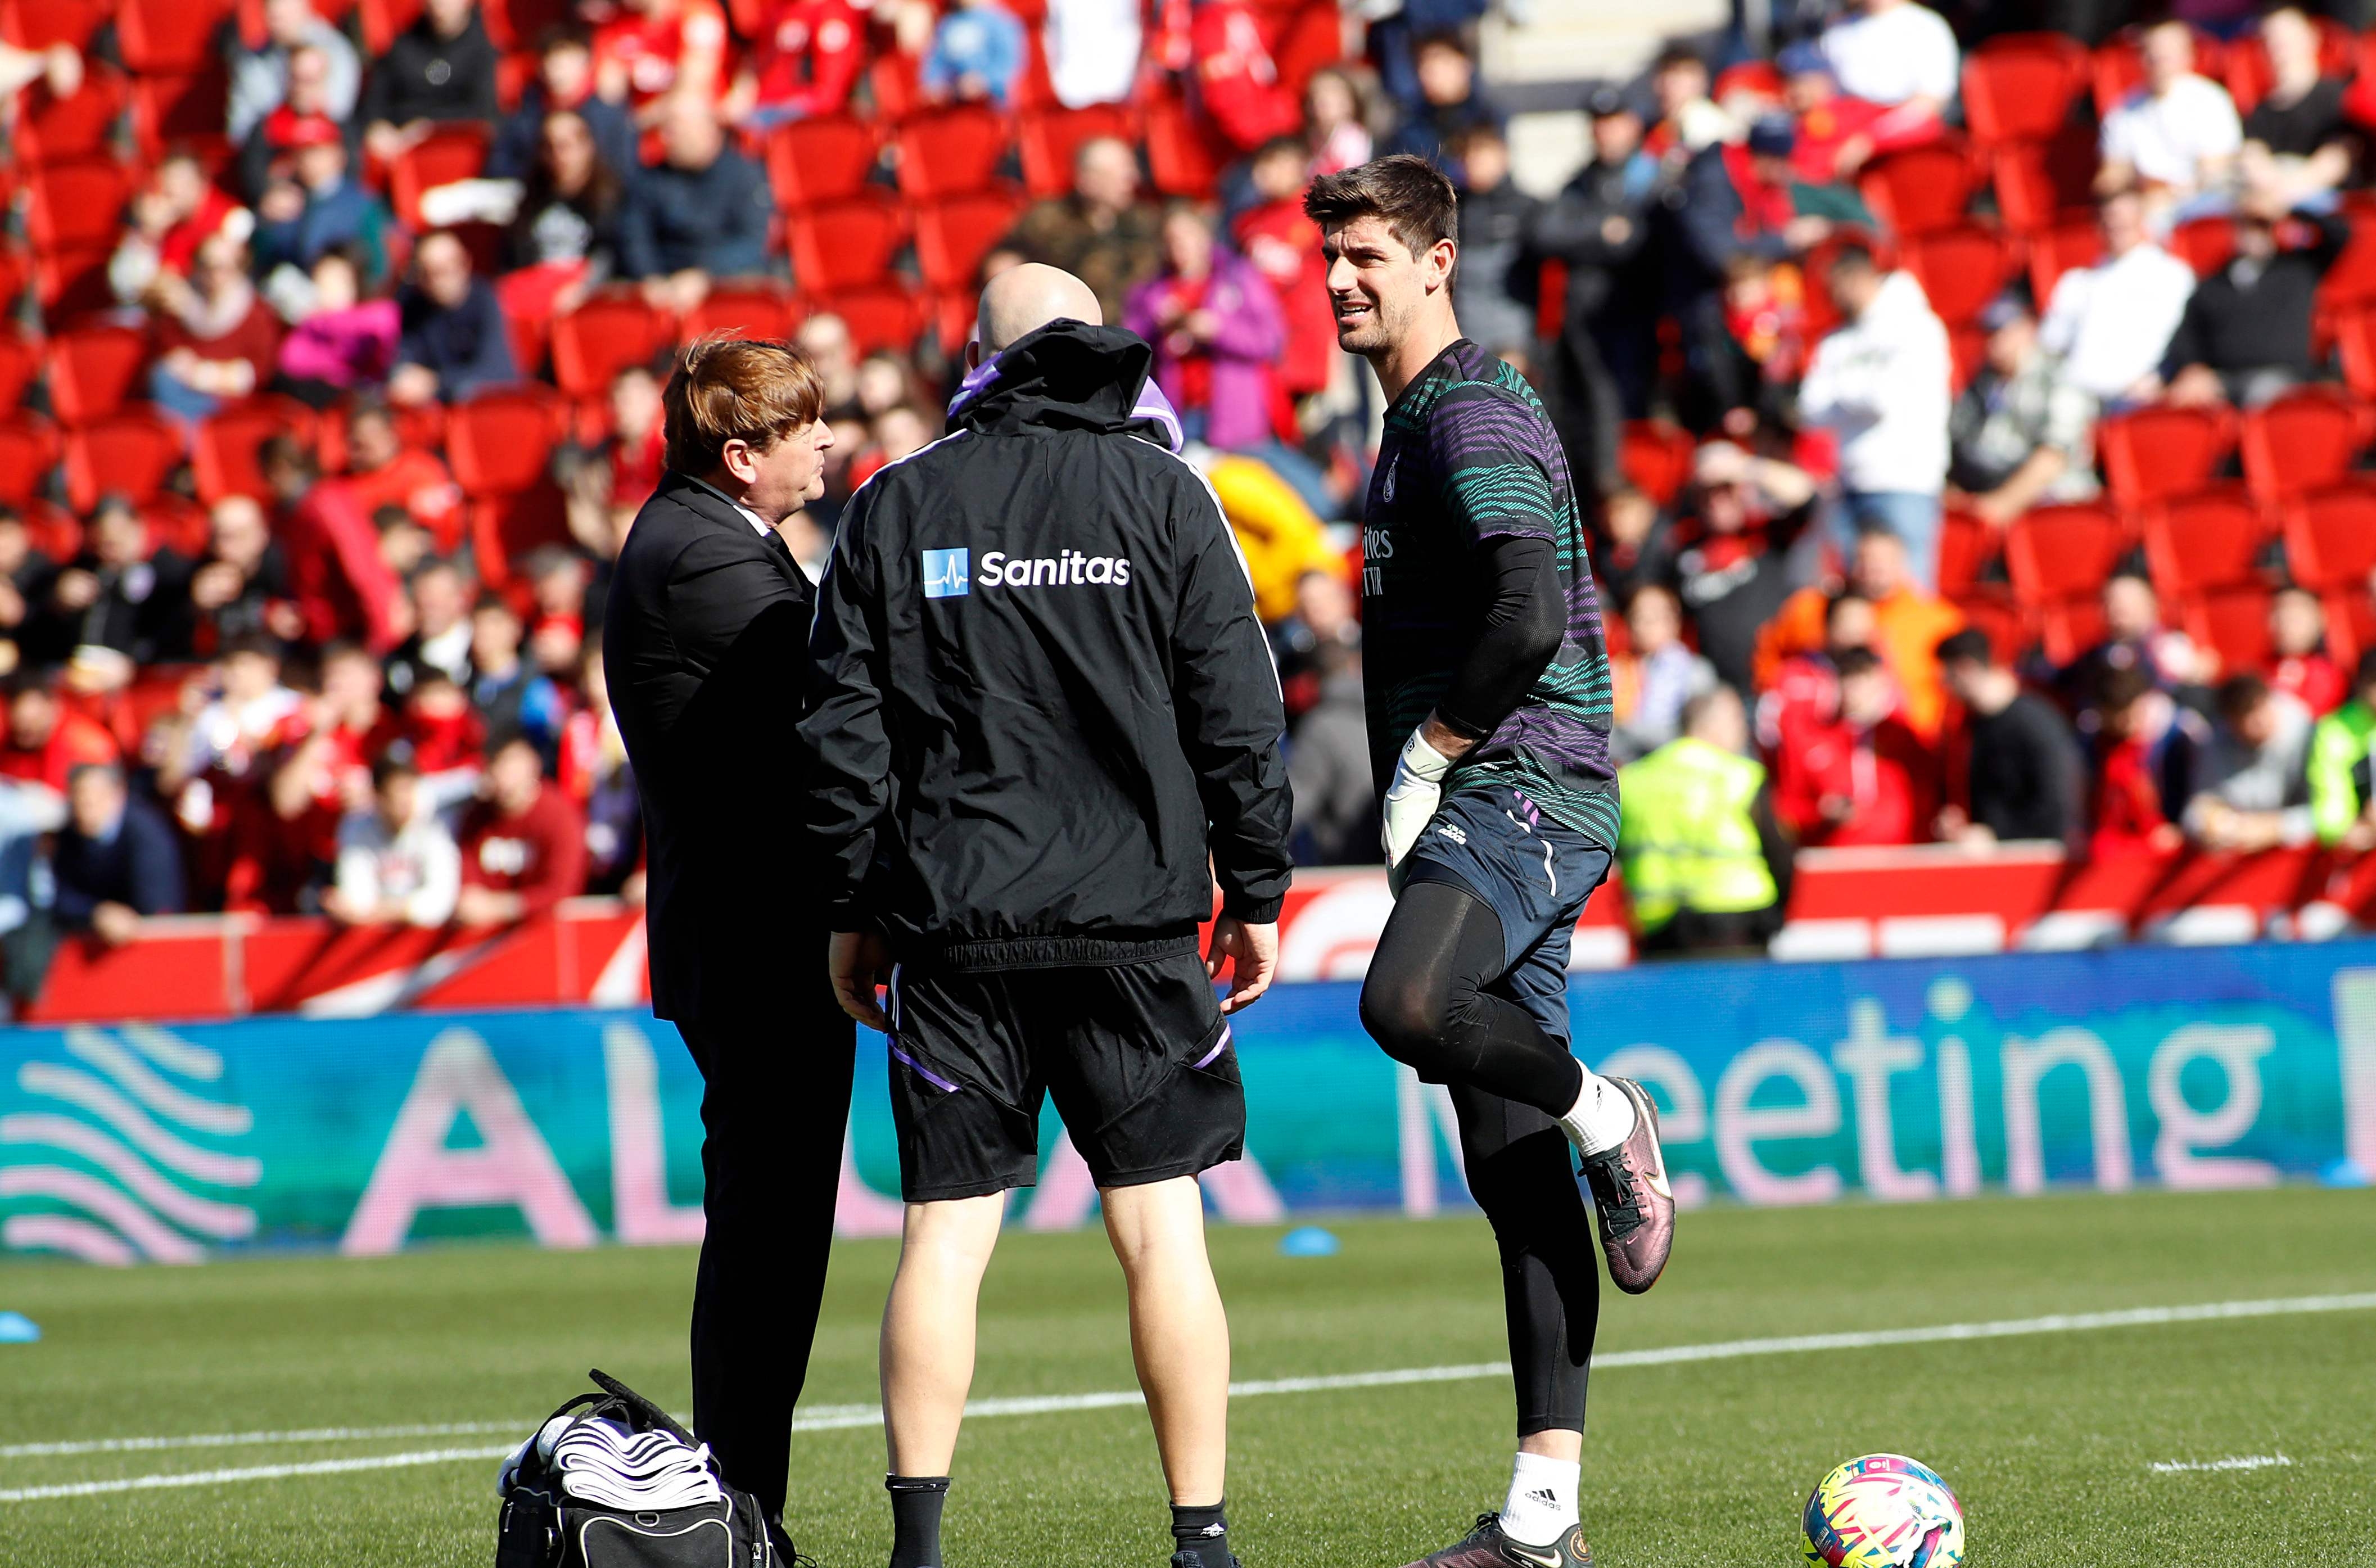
(705,646)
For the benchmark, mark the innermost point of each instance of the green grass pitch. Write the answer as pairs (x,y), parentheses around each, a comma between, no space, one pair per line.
(2050,1439)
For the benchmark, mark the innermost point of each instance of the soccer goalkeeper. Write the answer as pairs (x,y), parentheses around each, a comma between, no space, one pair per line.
(1489,709)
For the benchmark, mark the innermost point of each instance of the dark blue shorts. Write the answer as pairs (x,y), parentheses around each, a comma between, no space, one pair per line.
(1535,874)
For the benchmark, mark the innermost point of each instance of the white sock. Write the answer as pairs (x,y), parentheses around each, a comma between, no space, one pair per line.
(1601,1118)
(1542,1498)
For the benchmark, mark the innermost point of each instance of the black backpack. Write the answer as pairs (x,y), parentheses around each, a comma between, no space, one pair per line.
(541,1527)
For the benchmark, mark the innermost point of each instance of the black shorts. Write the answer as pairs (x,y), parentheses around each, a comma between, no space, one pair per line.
(1134,1050)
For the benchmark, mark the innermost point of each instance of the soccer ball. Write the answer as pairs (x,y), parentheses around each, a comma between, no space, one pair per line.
(1883,1511)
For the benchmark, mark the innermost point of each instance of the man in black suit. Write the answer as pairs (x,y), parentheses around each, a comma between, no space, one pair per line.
(705,646)
(115,861)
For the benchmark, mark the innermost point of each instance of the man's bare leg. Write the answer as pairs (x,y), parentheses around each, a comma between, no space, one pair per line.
(928,1346)
(1179,1341)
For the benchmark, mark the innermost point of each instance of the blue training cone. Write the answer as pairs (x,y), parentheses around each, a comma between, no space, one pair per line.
(1307,1242)
(15,1328)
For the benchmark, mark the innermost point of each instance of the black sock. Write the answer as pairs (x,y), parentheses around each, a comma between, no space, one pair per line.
(1202,1535)
(916,1519)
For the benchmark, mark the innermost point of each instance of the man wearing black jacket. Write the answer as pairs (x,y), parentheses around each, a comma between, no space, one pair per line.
(703,644)
(440,68)
(2246,335)
(1041,707)
(2024,768)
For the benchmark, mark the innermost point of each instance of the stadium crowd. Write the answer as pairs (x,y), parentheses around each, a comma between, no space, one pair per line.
(1981,407)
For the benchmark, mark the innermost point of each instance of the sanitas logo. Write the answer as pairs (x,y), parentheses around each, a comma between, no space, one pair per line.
(1001,570)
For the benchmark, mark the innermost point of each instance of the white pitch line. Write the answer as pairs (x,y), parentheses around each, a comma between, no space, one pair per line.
(834,1418)
(2240,1462)
(257,1473)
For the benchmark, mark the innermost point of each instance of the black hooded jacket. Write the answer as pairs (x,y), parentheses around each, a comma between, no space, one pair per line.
(1039,693)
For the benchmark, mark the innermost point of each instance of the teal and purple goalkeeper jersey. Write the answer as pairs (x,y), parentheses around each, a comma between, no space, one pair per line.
(1469,456)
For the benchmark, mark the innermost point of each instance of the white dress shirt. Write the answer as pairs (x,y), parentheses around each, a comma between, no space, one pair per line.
(764,529)
(2110,323)
(2166,140)
(1891,55)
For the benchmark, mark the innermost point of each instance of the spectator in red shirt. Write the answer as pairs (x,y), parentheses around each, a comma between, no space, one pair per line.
(1864,778)
(383,472)
(804,62)
(180,208)
(45,739)
(443,734)
(216,339)
(2303,669)
(1284,247)
(655,48)
(1806,689)
(523,843)
(1238,83)
(2132,768)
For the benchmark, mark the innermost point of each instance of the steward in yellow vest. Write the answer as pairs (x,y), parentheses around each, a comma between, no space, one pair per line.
(1705,866)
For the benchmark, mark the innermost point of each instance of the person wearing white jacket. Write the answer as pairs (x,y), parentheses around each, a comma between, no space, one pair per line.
(1882,385)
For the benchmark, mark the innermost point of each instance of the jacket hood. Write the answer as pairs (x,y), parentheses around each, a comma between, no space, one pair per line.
(1068,375)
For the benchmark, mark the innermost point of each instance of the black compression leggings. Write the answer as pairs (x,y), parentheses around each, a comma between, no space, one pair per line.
(1426,1001)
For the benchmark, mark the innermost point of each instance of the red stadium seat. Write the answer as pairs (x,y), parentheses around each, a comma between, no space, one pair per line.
(2204,243)
(2059,552)
(2233,623)
(1049,140)
(953,320)
(50,128)
(2020,87)
(52,529)
(2161,453)
(384,19)
(814,161)
(2350,625)
(891,81)
(73,282)
(2008,630)
(515,25)
(178,523)
(2071,628)
(953,237)
(2331,538)
(499,442)
(169,38)
(947,152)
(93,370)
(885,315)
(2203,541)
(2038,182)
(132,452)
(504,528)
(745,310)
(1749,78)
(37,24)
(77,203)
(2074,240)
(2354,343)
(1655,457)
(15,269)
(2301,441)
(223,454)
(184,111)
(1961,268)
(613,329)
(28,450)
(20,356)
(2350,282)
(1922,189)
(1035,89)
(1184,156)
(846,244)
(1966,546)
(456,151)
(2119,67)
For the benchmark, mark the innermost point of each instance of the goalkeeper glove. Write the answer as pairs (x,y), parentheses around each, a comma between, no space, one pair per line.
(1411,800)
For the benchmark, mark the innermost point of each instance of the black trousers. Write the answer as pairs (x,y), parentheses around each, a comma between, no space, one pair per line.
(775,1109)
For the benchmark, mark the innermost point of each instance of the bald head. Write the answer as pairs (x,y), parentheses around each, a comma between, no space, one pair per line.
(1022,300)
